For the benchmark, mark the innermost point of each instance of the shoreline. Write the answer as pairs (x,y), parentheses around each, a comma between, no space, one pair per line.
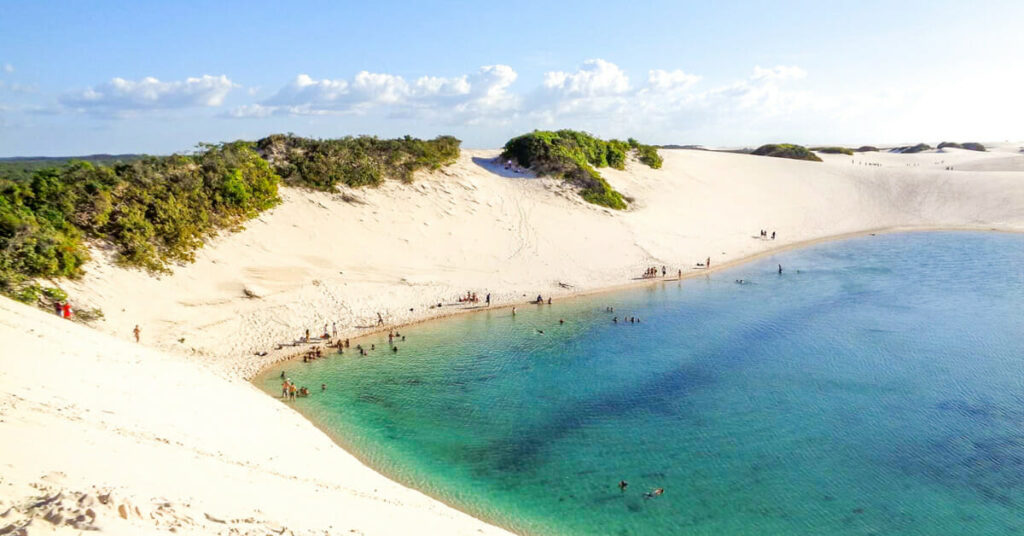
(276,357)
(338,438)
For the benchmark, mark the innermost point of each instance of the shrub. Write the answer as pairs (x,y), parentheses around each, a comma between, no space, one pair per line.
(833,150)
(573,157)
(866,148)
(970,146)
(786,150)
(354,161)
(911,149)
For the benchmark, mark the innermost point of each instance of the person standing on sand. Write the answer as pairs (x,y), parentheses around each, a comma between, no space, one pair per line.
(307,335)
(488,299)
(663,271)
(136,331)
(334,330)
(708,263)
(773,235)
(57,308)
(67,310)
(380,319)
(680,274)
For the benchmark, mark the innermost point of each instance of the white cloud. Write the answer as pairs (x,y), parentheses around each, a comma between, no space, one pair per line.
(8,68)
(668,81)
(480,93)
(595,78)
(120,95)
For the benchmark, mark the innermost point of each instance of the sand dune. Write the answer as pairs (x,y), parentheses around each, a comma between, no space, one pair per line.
(172,420)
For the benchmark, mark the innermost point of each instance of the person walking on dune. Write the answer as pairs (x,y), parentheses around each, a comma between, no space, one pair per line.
(136,331)
(380,320)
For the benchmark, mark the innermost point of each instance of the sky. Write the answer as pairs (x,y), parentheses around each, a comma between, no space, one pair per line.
(153,77)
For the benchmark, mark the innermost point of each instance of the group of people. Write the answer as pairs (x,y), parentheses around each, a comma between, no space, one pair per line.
(470,297)
(290,391)
(652,272)
(62,309)
(538,301)
(656,492)
(312,354)
(764,235)
(631,320)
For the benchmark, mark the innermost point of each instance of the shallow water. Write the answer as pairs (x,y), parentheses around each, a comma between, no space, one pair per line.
(875,387)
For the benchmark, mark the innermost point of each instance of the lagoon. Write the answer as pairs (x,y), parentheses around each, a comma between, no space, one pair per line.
(875,387)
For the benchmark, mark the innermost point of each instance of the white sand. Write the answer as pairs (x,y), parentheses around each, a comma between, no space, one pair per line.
(182,424)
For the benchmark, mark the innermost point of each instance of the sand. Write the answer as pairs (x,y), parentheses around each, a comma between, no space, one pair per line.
(173,421)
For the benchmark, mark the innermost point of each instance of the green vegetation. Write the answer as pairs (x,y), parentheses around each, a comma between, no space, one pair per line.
(573,155)
(361,161)
(867,149)
(786,150)
(154,211)
(911,149)
(970,146)
(833,150)
(21,168)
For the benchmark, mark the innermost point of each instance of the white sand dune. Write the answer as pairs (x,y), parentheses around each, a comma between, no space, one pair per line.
(173,417)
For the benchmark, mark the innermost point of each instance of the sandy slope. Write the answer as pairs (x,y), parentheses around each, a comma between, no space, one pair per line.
(86,414)
(173,419)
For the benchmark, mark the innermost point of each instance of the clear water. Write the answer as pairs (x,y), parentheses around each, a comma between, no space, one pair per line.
(880,390)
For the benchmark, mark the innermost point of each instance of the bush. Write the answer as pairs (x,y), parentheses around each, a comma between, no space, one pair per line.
(970,146)
(572,156)
(786,150)
(911,149)
(355,162)
(833,150)
(866,149)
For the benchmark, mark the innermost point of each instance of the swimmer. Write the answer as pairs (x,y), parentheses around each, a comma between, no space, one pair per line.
(622,485)
(561,321)
(323,387)
(656,492)
(541,331)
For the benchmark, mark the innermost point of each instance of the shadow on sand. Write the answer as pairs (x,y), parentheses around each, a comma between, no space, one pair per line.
(497,167)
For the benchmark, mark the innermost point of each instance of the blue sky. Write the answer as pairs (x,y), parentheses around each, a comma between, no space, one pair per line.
(158,77)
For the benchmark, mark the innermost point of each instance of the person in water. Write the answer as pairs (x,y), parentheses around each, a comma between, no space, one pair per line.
(323,387)
(656,492)
(780,268)
(622,485)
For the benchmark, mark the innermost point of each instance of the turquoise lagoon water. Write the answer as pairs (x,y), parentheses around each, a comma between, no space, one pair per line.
(879,390)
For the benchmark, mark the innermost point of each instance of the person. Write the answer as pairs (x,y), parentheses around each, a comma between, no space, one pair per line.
(549,300)
(57,308)
(380,319)
(325,330)
(323,387)
(708,263)
(540,299)
(334,330)
(391,337)
(541,331)
(282,374)
(284,388)
(66,309)
(136,331)
(663,271)
(773,235)
(307,336)
(622,485)
(680,276)
(394,349)
(656,492)
(561,320)
(488,299)
(513,311)
(780,268)
(615,320)
(403,338)
(347,345)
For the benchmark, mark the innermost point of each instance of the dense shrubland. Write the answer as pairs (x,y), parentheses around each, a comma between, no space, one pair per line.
(911,149)
(573,156)
(970,146)
(154,211)
(786,150)
(867,149)
(354,161)
(833,150)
